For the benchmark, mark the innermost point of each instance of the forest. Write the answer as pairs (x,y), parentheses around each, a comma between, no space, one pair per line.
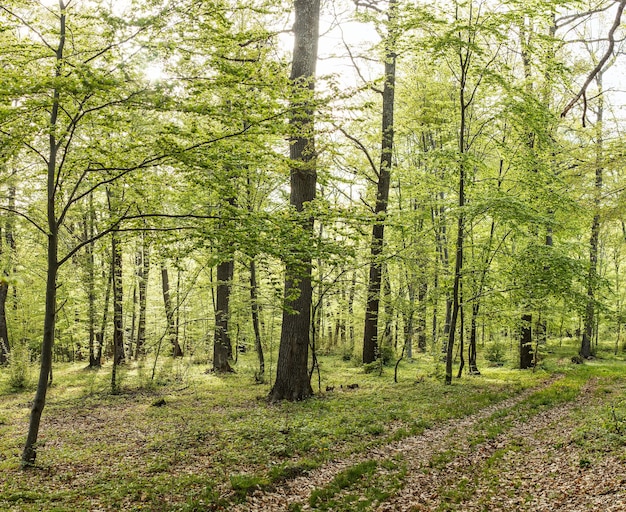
(254,253)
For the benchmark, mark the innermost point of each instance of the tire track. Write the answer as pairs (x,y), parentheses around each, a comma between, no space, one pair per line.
(416,450)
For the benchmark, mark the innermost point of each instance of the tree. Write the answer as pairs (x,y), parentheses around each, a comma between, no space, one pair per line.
(370,331)
(292,376)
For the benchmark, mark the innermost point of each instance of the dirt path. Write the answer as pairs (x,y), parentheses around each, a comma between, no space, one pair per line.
(421,490)
(533,466)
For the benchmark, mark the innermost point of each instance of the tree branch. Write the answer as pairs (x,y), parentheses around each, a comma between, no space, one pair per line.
(609,51)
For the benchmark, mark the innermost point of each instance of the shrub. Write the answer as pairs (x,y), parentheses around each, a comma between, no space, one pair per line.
(495,353)
(19,366)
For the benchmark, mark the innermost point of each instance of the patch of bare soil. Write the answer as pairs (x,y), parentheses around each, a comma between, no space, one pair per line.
(421,489)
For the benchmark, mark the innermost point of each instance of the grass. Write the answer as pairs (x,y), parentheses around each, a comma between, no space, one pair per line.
(191,441)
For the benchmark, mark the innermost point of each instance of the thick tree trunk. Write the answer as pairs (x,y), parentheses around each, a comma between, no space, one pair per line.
(292,376)
(370,332)
(169,314)
(222,347)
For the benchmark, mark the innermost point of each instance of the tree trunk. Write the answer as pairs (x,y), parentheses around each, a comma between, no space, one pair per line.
(422,291)
(592,276)
(100,335)
(351,295)
(526,343)
(370,332)
(118,312)
(222,347)
(460,236)
(5,345)
(144,272)
(292,376)
(471,349)
(29,453)
(89,228)
(255,320)
(169,313)
(408,319)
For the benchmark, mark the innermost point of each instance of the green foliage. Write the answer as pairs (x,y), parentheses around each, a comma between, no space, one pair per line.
(495,353)
(245,484)
(20,367)
(321,498)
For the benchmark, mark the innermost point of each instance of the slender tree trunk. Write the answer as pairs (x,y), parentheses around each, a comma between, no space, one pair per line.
(592,276)
(292,375)
(135,302)
(351,295)
(89,228)
(5,345)
(422,291)
(472,352)
(169,313)
(526,343)
(29,453)
(118,312)
(370,332)
(222,347)
(408,319)
(461,339)
(144,272)
(443,257)
(258,346)
(460,236)
(100,335)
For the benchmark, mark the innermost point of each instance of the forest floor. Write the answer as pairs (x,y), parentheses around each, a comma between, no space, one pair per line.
(551,439)
(551,448)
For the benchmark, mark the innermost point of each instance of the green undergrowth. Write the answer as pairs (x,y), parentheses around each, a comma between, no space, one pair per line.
(360,487)
(188,440)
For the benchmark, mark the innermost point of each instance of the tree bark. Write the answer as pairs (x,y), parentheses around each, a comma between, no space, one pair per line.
(100,335)
(89,229)
(29,453)
(222,346)
(526,343)
(5,345)
(143,273)
(370,331)
(118,311)
(258,346)
(169,313)
(592,276)
(292,376)
(422,291)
